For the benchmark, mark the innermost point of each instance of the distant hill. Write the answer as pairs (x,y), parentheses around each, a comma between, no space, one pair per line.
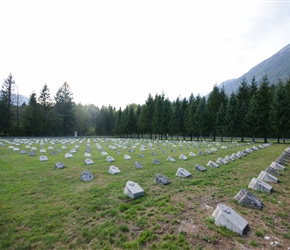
(276,67)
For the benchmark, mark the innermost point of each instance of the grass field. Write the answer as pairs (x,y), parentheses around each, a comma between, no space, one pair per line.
(47,208)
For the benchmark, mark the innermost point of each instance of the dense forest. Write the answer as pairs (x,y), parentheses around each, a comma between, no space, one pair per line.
(255,110)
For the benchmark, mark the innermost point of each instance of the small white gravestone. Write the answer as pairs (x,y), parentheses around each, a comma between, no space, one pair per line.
(221,161)
(183,157)
(226,216)
(50,147)
(212,164)
(110,159)
(140,155)
(229,158)
(235,156)
(201,153)
(114,170)
(240,153)
(246,198)
(171,159)
(76,134)
(42,150)
(68,155)
(208,151)
(138,164)
(27,146)
(214,149)
(86,176)
(63,147)
(277,166)
(59,165)
(86,154)
(181,172)
(23,152)
(33,148)
(15,149)
(199,168)
(73,151)
(272,171)
(43,158)
(133,190)
(127,157)
(255,148)
(11,146)
(156,161)
(32,153)
(248,150)
(192,154)
(267,177)
(161,179)
(260,185)
(104,153)
(89,161)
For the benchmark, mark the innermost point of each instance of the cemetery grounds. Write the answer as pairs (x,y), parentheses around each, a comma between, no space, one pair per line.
(47,208)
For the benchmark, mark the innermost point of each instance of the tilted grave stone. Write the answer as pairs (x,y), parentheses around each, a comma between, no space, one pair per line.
(33,148)
(201,153)
(208,151)
(212,164)
(118,152)
(171,159)
(153,153)
(277,166)
(257,184)
(228,158)
(214,150)
(42,150)
(226,216)
(114,170)
(183,157)
(43,158)
(272,171)
(221,161)
(32,153)
(267,177)
(86,154)
(140,155)
(192,154)
(133,190)
(240,153)
(156,161)
(246,198)
(181,172)
(161,179)
(23,152)
(138,164)
(235,156)
(127,157)
(248,150)
(53,152)
(59,165)
(163,151)
(68,155)
(89,161)
(255,148)
(110,159)
(50,147)
(199,168)
(104,153)
(86,176)
(15,149)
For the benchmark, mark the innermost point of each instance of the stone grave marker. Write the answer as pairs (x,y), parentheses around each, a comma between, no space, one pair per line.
(114,170)
(246,198)
(248,150)
(192,154)
(208,151)
(127,157)
(42,150)
(104,153)
(87,154)
(272,171)
(228,158)
(201,153)
(153,153)
(23,152)
(15,149)
(68,155)
(240,153)
(214,150)
(50,147)
(226,216)
(221,161)
(257,184)
(156,161)
(86,176)
(138,164)
(212,164)
(277,166)
(183,157)
(199,168)
(133,190)
(140,155)
(110,159)
(181,172)
(89,161)
(52,152)
(171,159)
(118,152)
(235,156)
(59,165)
(161,179)
(43,158)
(267,177)
(32,153)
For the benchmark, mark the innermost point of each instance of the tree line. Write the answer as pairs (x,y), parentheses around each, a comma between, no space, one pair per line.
(255,110)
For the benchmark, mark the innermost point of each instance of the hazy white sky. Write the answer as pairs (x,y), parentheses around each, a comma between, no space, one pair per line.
(117,52)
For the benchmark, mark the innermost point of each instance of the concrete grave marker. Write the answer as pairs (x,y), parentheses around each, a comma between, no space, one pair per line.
(118,152)
(59,165)
(201,153)
(226,216)
(140,155)
(267,177)
(23,152)
(15,149)
(212,164)
(127,157)
(156,161)
(221,161)
(228,158)
(235,156)
(114,170)
(52,152)
(260,185)
(199,168)
(133,190)
(104,153)
(89,161)
(246,198)
(110,159)
(277,166)
(68,155)
(192,154)
(43,158)
(272,171)
(87,154)
(86,176)
(32,153)
(183,157)
(42,150)
(161,179)
(208,151)
(171,159)
(181,172)
(138,164)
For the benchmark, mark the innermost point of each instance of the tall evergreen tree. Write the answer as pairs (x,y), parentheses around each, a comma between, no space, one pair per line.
(231,115)
(252,117)
(253,89)
(201,118)
(45,102)
(220,119)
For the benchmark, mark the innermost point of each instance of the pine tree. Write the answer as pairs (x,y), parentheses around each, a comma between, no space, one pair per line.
(220,120)
(252,117)
(45,102)
(231,115)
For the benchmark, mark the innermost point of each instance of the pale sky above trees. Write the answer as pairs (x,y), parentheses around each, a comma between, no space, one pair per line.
(117,52)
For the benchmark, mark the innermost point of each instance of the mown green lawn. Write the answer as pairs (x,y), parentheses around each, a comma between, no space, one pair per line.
(47,208)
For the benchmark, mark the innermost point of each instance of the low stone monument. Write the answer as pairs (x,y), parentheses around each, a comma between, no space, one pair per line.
(212,164)
(181,172)
(201,153)
(246,198)
(221,161)
(208,151)
(260,185)
(23,152)
(228,158)
(87,154)
(140,155)
(42,150)
(156,161)
(104,153)
(183,157)
(226,216)
(199,168)
(267,177)
(43,158)
(32,153)
(138,164)
(68,155)
(114,170)
(192,154)
(133,190)
(110,159)
(277,166)
(89,161)
(171,159)
(272,171)
(59,165)
(161,179)
(235,156)
(127,157)
(86,176)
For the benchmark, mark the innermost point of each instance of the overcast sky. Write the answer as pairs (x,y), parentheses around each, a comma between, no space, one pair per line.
(117,52)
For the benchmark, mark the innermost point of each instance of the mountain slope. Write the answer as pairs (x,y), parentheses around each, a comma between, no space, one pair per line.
(276,67)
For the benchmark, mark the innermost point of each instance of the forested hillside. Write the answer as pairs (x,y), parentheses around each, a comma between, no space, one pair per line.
(255,110)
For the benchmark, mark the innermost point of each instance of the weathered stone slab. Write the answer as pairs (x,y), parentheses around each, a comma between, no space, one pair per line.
(73,151)
(114,170)
(23,152)
(226,216)
(267,177)
(59,165)
(201,153)
(228,158)
(181,172)
(214,150)
(32,153)
(199,168)
(68,155)
(221,161)
(277,166)
(43,158)
(156,161)
(235,156)
(272,171)
(86,176)
(208,151)
(15,149)
(127,157)
(260,185)
(248,150)
(183,157)
(133,190)
(110,159)
(140,155)
(87,154)
(104,153)
(161,179)
(138,164)
(246,198)
(240,153)
(42,150)
(192,154)
(153,153)
(212,164)
(89,161)
(171,159)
